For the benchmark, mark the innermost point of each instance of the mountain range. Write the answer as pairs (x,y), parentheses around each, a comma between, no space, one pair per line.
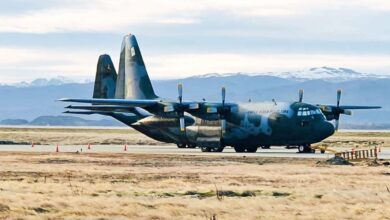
(320,84)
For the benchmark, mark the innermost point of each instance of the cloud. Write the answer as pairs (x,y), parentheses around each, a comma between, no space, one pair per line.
(19,64)
(183,65)
(101,15)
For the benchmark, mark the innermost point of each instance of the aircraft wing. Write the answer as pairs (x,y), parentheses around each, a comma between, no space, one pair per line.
(344,108)
(115,102)
(167,108)
(357,107)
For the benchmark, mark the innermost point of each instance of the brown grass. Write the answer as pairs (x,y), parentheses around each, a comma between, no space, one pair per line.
(78,136)
(140,186)
(83,136)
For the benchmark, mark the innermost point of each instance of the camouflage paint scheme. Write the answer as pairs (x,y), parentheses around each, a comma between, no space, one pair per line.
(129,97)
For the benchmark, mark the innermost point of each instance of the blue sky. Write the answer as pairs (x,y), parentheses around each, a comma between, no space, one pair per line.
(183,38)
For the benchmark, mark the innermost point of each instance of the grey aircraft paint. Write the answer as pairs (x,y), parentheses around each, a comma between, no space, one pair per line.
(209,125)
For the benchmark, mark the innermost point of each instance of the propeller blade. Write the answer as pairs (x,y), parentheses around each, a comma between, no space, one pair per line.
(336,127)
(223,95)
(300,95)
(182,124)
(338,97)
(223,126)
(180,91)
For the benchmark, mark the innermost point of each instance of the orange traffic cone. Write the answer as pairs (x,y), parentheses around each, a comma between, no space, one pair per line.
(57,149)
(125,149)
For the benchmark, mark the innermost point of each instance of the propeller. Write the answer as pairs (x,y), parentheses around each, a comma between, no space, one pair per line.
(222,116)
(223,110)
(338,110)
(180,109)
(300,95)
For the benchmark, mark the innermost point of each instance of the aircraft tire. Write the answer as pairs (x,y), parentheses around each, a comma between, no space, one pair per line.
(181,145)
(305,149)
(251,149)
(239,149)
(205,149)
(217,149)
(191,146)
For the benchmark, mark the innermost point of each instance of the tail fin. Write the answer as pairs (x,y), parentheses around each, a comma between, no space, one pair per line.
(105,81)
(133,80)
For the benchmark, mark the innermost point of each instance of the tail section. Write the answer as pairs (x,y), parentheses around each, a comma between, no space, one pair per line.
(133,80)
(106,78)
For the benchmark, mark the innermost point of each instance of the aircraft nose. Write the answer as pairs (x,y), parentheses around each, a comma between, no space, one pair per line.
(326,129)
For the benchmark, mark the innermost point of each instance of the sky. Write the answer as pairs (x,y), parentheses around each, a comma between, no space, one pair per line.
(48,38)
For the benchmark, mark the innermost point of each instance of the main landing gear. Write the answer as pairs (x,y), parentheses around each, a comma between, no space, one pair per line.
(212,149)
(305,149)
(241,149)
(180,145)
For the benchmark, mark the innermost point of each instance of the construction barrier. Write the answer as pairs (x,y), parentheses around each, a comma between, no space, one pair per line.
(359,154)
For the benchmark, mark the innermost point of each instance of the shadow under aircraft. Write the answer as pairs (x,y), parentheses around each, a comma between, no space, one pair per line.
(128,96)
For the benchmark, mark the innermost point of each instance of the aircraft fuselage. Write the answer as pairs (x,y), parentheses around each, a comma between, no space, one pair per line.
(250,124)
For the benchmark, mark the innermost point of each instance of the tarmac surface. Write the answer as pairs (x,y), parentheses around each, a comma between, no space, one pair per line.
(169,149)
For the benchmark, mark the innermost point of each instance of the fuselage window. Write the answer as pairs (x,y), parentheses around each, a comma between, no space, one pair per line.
(308,112)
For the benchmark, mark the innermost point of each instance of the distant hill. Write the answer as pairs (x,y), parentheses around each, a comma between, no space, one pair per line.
(320,85)
(14,122)
(62,121)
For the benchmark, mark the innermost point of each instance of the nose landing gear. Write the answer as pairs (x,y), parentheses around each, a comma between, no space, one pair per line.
(305,149)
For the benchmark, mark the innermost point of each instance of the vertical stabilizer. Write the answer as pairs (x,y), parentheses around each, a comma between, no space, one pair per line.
(133,80)
(105,80)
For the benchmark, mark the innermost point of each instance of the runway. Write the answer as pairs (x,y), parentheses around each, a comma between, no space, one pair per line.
(169,149)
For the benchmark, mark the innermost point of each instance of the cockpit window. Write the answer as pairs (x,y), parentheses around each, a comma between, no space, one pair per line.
(304,111)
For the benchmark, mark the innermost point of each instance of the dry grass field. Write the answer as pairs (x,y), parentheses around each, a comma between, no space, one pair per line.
(76,136)
(140,186)
(83,136)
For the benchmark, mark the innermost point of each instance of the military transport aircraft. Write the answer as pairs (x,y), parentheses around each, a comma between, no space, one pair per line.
(129,97)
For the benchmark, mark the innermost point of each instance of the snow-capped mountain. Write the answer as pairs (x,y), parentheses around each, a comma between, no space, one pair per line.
(59,80)
(316,73)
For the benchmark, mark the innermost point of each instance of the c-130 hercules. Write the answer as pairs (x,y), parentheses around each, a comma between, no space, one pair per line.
(129,97)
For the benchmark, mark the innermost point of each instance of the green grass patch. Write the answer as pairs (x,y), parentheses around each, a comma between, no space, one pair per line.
(280,194)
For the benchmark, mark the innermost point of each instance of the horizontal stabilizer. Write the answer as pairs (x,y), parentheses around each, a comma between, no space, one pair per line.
(121,102)
(81,112)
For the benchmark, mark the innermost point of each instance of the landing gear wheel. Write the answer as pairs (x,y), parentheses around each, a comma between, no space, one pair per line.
(212,149)
(181,145)
(239,149)
(322,151)
(191,146)
(305,149)
(217,149)
(301,149)
(251,149)
(205,149)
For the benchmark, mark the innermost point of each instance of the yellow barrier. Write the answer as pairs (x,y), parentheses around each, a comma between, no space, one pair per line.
(359,154)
